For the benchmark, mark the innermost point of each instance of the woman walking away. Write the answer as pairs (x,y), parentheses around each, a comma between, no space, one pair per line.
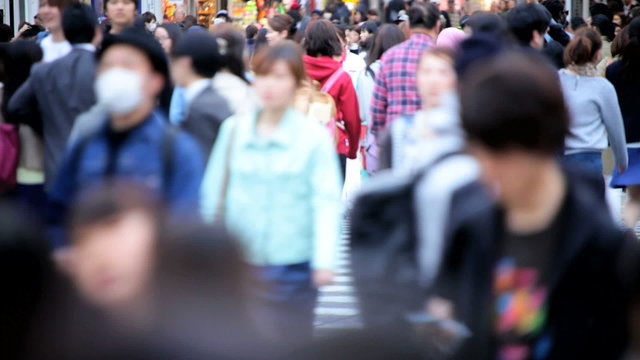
(271,166)
(593,107)
(624,74)
(323,46)
(388,36)
(231,81)
(606,30)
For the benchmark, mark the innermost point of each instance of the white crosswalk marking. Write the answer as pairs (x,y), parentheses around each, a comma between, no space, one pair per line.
(337,304)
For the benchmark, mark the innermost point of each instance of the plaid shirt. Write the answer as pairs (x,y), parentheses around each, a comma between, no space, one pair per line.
(395,92)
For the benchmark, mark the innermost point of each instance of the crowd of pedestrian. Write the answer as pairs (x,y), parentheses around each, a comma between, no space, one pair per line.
(178,190)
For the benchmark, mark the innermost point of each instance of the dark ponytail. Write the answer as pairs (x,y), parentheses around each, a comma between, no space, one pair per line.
(583,48)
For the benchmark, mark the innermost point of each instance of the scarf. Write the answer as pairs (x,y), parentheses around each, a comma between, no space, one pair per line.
(589,70)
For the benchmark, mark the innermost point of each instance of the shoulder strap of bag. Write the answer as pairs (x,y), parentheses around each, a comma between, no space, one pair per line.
(222,199)
(332,80)
(168,155)
(426,170)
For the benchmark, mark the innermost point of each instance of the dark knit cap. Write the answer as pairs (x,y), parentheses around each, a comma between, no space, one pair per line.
(143,41)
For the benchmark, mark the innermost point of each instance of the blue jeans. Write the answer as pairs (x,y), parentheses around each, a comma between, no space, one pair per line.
(587,161)
(284,301)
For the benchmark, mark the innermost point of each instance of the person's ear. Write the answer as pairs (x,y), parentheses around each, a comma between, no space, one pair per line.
(537,40)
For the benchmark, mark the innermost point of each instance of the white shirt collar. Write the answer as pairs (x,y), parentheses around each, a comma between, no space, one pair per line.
(85,46)
(195,89)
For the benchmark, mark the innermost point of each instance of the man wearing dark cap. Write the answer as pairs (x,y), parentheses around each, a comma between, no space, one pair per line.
(196,59)
(61,90)
(134,143)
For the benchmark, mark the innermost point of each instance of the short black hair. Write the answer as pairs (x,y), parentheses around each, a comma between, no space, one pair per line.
(203,50)
(555,7)
(524,19)
(535,118)
(577,22)
(79,23)
(321,39)
(423,15)
(148,17)
(251,31)
(6,33)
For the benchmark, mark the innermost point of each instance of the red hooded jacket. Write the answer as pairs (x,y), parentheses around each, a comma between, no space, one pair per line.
(343,93)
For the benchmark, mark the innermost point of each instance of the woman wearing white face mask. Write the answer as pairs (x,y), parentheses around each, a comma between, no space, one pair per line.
(271,166)
(150,21)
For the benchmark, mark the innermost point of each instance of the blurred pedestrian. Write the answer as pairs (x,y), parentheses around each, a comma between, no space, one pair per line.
(395,92)
(388,36)
(251,33)
(168,35)
(195,61)
(351,63)
(270,167)
(373,15)
(121,14)
(57,92)
(606,30)
(450,38)
(28,279)
(279,28)
(576,24)
(27,179)
(529,24)
(134,141)
(231,81)
(323,47)
(625,77)
(54,46)
(367,33)
(114,231)
(179,15)
(531,255)
(593,107)
(203,266)
(150,21)
(416,143)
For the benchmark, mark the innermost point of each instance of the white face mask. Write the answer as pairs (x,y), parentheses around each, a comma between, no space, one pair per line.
(152,27)
(119,90)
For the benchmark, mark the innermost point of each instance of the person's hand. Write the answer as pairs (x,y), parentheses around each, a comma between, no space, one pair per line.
(322,277)
(621,169)
(439,308)
(24,28)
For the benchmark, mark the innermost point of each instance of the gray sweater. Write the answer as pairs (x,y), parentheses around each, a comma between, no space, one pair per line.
(594,113)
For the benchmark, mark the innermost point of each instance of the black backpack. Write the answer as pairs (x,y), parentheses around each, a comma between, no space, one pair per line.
(384,248)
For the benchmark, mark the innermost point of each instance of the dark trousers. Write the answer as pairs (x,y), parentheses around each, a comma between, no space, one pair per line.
(284,301)
(343,166)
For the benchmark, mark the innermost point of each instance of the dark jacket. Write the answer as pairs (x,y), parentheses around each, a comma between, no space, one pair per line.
(168,163)
(589,289)
(203,118)
(61,90)
(628,89)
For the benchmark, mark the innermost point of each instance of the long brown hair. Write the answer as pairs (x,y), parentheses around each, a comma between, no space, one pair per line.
(583,48)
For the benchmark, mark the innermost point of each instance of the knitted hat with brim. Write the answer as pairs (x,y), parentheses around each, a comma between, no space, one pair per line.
(143,41)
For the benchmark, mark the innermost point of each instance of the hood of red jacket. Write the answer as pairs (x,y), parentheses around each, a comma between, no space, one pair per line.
(320,69)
